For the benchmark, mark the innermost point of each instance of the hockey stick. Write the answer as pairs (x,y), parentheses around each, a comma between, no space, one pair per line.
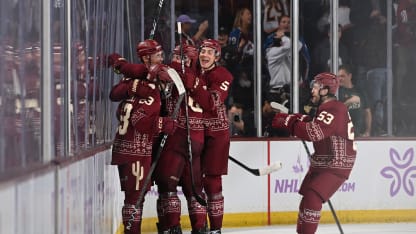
(259,171)
(156,17)
(283,109)
(195,194)
(181,90)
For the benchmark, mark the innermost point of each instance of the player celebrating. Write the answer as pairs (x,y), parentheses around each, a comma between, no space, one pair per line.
(210,90)
(172,168)
(332,134)
(139,122)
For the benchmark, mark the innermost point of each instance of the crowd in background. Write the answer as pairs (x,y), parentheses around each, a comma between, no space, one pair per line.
(362,55)
(362,38)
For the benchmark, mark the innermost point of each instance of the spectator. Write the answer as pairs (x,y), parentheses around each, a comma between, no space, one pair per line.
(223,35)
(235,117)
(240,122)
(273,10)
(321,60)
(241,63)
(279,61)
(356,101)
(228,53)
(186,24)
(241,37)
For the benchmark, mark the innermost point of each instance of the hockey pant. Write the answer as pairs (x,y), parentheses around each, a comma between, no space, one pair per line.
(316,188)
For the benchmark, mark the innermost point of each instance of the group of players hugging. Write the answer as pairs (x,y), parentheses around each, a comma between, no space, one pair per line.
(195,153)
(195,122)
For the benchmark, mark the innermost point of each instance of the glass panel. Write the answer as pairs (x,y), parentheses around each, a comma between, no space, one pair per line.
(404,69)
(277,57)
(20,84)
(235,33)
(78,76)
(364,37)
(58,73)
(163,31)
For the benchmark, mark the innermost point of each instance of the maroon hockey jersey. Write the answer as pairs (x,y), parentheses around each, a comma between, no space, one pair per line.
(195,112)
(332,134)
(138,125)
(212,96)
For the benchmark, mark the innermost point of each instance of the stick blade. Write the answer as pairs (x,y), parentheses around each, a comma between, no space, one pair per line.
(177,80)
(280,107)
(271,168)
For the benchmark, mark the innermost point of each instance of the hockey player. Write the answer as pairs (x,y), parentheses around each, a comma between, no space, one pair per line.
(210,89)
(173,167)
(332,134)
(139,122)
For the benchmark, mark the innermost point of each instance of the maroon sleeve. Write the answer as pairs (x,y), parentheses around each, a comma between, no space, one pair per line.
(141,88)
(218,84)
(119,92)
(135,71)
(177,66)
(332,119)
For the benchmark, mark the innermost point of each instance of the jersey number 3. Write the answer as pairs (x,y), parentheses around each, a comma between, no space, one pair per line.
(124,118)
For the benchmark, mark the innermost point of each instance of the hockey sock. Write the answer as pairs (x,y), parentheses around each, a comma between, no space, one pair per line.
(132,216)
(168,210)
(197,214)
(309,213)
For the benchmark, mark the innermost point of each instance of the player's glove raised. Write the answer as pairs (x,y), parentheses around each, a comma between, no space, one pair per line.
(190,81)
(284,121)
(116,61)
(159,72)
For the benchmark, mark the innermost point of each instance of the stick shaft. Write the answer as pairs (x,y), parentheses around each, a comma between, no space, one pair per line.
(252,171)
(156,17)
(188,133)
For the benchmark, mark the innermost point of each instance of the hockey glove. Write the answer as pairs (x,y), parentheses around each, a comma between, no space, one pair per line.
(284,121)
(303,118)
(189,81)
(112,59)
(167,125)
(159,72)
(177,66)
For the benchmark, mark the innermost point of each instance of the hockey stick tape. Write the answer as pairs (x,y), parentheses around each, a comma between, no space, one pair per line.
(270,169)
(280,107)
(177,80)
